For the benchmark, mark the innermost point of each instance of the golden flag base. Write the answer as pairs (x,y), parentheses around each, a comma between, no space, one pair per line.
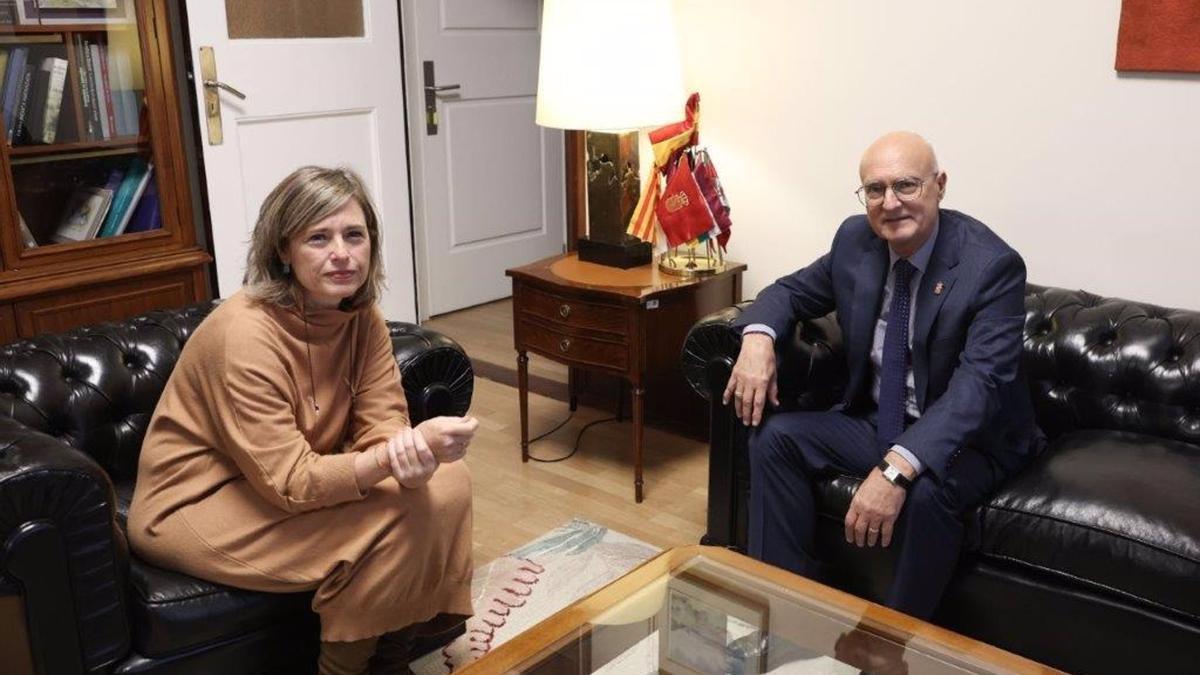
(689,260)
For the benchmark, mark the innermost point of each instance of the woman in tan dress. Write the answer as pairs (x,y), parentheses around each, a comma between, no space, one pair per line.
(280,457)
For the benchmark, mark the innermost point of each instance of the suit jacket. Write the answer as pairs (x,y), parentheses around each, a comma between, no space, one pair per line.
(966,341)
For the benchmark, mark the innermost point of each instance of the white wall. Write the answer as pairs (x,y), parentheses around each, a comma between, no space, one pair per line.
(1092,176)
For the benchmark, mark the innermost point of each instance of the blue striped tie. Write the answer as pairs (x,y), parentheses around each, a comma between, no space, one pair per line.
(894,367)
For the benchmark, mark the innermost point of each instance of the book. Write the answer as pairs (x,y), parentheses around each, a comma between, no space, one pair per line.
(116,177)
(126,197)
(54,97)
(85,91)
(104,100)
(126,97)
(26,236)
(148,214)
(37,102)
(84,214)
(20,133)
(12,84)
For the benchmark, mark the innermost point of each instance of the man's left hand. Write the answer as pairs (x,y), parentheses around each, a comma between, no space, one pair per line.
(875,506)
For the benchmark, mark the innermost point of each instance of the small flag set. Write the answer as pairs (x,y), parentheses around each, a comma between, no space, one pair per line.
(683,194)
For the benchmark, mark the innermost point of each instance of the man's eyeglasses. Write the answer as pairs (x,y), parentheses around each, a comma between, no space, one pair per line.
(905,189)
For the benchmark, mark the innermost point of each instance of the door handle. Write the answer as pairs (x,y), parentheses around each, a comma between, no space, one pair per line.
(212,101)
(432,89)
(226,87)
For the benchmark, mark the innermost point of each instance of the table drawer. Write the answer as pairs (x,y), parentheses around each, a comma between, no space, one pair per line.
(573,312)
(574,348)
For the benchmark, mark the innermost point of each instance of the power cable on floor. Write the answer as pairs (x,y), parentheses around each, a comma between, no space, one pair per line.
(578,437)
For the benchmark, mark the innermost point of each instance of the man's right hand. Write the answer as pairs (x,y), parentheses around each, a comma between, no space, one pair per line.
(752,383)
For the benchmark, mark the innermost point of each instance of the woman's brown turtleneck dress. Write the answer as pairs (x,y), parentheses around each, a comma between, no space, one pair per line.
(246,475)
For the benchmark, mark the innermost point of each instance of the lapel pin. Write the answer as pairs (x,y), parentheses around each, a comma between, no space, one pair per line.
(939,287)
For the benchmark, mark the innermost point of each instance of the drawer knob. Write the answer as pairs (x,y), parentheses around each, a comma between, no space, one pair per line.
(564,344)
(564,311)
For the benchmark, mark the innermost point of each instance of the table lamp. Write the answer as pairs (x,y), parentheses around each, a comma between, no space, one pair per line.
(609,68)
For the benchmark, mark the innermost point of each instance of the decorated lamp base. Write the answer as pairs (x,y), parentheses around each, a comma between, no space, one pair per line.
(692,260)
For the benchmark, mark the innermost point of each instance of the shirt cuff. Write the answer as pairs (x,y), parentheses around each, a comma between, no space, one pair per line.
(759,328)
(912,459)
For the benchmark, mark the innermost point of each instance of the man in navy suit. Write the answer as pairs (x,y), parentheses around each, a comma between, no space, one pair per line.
(936,411)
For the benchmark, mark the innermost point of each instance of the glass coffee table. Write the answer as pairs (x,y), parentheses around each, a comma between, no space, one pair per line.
(705,610)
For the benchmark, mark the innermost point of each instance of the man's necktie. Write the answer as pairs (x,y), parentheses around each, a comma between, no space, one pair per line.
(894,368)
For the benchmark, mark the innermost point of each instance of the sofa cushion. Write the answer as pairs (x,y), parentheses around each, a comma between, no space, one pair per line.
(1115,510)
(171,612)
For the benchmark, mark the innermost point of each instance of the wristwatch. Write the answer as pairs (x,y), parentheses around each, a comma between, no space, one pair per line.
(894,475)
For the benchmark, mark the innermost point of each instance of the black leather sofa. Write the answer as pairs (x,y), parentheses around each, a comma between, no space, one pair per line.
(73,412)
(1089,560)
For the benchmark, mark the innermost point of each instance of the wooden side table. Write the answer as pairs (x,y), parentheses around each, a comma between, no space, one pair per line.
(629,323)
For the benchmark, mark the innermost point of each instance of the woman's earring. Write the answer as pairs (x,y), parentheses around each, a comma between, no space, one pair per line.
(287,269)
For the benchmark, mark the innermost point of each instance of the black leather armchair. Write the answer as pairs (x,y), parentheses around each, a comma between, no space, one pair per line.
(73,411)
(1089,560)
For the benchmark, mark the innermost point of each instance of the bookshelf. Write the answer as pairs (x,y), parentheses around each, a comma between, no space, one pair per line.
(95,200)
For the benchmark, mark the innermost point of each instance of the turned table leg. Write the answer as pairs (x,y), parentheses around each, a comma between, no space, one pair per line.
(523,396)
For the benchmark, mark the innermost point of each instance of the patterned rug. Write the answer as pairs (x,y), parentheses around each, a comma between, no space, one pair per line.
(517,590)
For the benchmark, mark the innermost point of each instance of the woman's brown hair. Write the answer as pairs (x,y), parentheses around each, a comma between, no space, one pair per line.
(307,196)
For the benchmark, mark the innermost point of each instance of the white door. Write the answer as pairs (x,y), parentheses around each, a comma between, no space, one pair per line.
(309,100)
(488,186)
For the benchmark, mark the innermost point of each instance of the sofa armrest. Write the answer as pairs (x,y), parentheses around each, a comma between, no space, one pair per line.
(62,546)
(811,373)
(811,370)
(435,371)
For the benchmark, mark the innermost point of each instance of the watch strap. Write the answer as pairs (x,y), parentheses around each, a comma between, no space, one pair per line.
(894,475)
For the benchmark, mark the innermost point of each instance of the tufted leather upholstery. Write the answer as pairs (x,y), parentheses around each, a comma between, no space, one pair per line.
(1105,525)
(74,408)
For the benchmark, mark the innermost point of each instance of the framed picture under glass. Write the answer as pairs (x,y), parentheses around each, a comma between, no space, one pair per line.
(705,629)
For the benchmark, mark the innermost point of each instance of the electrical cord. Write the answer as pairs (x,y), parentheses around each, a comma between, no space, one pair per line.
(578,437)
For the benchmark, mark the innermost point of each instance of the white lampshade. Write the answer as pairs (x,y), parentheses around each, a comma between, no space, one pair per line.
(608,65)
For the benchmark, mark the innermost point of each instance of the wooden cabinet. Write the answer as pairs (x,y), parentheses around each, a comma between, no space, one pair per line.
(628,323)
(95,202)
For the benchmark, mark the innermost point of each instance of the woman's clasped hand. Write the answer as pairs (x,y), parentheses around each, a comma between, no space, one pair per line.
(415,453)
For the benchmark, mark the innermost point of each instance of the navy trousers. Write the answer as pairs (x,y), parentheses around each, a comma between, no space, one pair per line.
(790,451)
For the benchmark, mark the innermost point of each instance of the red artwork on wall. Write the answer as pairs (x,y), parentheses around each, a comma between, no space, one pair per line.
(1159,35)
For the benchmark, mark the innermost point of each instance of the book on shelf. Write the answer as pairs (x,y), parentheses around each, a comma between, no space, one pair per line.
(54,96)
(19,134)
(26,236)
(125,97)
(126,198)
(103,93)
(37,102)
(12,86)
(148,214)
(84,214)
(86,91)
(45,100)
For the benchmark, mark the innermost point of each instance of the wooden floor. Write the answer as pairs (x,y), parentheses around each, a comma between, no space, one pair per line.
(516,502)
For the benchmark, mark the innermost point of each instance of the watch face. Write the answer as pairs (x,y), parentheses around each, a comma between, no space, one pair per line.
(891,473)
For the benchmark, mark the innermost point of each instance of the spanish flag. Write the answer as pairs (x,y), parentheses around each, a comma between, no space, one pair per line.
(666,142)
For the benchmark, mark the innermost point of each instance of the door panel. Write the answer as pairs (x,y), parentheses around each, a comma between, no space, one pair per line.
(488,186)
(327,101)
